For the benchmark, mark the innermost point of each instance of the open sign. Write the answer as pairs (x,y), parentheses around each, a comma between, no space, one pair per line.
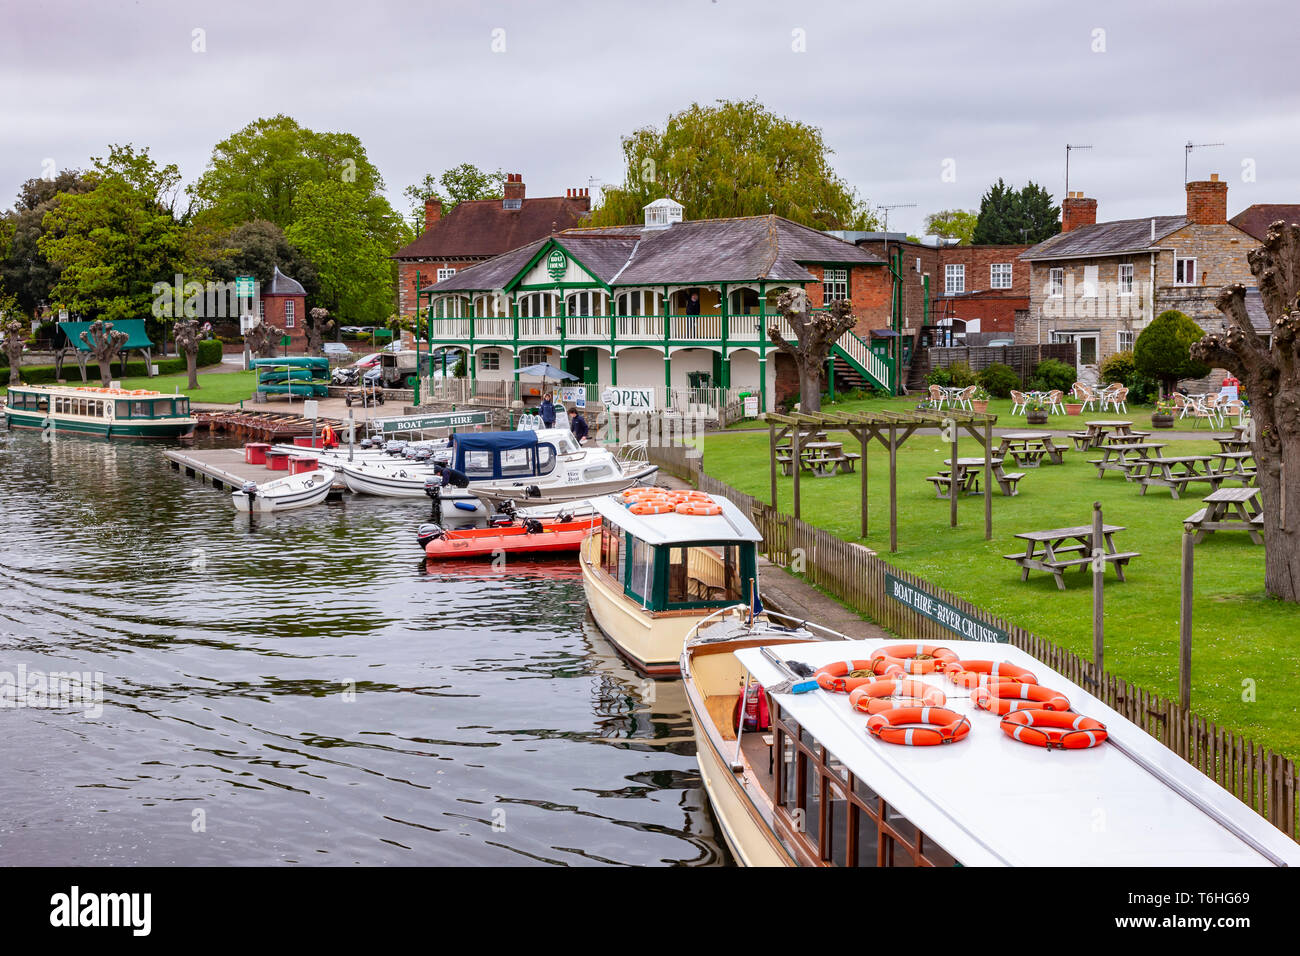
(629,399)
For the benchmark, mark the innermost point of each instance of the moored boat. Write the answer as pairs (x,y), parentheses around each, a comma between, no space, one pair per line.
(652,572)
(285,494)
(107,412)
(527,536)
(848,779)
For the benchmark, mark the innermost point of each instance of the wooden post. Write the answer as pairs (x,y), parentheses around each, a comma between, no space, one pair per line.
(1185,625)
(952,479)
(1098,583)
(988,481)
(797,456)
(864,436)
(771,454)
(893,488)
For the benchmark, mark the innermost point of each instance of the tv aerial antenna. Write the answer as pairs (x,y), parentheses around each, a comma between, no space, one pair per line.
(897,205)
(1187,154)
(1068,148)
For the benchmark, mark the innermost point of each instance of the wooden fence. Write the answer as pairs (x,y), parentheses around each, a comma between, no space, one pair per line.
(1259,777)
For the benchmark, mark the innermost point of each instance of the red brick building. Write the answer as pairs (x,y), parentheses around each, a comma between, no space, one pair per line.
(477,230)
(284,304)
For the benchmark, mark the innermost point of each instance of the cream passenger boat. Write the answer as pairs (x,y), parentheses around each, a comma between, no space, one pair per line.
(817,789)
(649,579)
(108,412)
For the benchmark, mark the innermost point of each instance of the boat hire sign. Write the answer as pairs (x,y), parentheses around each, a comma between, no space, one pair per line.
(956,620)
(556,264)
(443,420)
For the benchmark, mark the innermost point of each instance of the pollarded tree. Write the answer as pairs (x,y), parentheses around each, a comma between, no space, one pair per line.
(1163,350)
(186,335)
(317,327)
(14,336)
(1270,372)
(815,332)
(262,339)
(105,342)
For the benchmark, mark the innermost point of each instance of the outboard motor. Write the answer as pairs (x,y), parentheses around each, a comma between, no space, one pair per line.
(429,532)
(433,488)
(532,526)
(249,488)
(422,454)
(366,443)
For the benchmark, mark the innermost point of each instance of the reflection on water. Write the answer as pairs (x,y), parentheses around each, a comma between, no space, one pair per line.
(302,688)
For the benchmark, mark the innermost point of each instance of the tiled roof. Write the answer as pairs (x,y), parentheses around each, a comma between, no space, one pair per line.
(482,227)
(1256,219)
(701,250)
(1106,238)
(281,284)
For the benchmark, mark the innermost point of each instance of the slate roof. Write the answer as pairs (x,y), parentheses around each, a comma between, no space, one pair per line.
(1256,219)
(702,250)
(281,284)
(1105,238)
(482,227)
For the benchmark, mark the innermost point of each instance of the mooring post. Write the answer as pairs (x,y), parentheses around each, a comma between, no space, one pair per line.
(1098,585)
(1185,625)
(988,481)
(797,455)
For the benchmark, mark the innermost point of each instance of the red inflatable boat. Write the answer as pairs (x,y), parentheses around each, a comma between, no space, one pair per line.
(531,537)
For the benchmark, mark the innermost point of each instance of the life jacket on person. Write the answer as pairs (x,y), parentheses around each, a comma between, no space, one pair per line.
(755,715)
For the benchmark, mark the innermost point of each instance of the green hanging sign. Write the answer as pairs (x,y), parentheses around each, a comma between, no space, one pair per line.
(557,264)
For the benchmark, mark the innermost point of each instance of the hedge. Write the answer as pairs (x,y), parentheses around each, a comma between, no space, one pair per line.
(209,354)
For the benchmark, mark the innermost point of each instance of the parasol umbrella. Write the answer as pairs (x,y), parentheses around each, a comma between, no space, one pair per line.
(546,370)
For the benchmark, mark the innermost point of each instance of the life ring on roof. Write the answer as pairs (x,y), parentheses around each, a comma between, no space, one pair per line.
(650,508)
(916,658)
(881,695)
(697,507)
(839,676)
(1003,697)
(978,673)
(1053,729)
(918,726)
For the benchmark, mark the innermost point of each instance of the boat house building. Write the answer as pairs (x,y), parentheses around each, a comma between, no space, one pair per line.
(668,304)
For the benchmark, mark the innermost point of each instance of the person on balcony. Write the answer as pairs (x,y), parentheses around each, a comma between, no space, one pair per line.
(547,411)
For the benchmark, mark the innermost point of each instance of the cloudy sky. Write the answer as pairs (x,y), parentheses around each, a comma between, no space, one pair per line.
(903,92)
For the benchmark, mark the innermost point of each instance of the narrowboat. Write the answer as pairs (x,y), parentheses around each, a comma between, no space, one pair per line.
(982,756)
(109,412)
(651,572)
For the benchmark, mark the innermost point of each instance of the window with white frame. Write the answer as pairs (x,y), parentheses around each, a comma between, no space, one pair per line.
(445,274)
(1056,283)
(954,279)
(638,302)
(489,360)
(835,285)
(1125,279)
(1089,286)
(288,314)
(585,303)
(1000,275)
(1124,340)
(533,356)
(1185,271)
(537,304)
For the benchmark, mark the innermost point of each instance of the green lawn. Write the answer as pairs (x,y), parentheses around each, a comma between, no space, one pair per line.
(1239,635)
(221,387)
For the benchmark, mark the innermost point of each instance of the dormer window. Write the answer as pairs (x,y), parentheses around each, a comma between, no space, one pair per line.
(662,213)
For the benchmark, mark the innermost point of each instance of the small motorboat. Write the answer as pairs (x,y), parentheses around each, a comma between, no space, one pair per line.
(285,494)
(527,536)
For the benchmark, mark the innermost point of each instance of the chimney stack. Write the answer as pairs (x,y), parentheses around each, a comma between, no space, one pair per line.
(514,186)
(1207,201)
(1076,211)
(432,212)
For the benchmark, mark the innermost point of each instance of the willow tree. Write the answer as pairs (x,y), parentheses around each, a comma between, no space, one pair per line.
(104,342)
(1270,372)
(262,339)
(815,333)
(14,337)
(186,335)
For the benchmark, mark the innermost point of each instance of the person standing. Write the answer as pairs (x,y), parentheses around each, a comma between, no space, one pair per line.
(547,411)
(577,425)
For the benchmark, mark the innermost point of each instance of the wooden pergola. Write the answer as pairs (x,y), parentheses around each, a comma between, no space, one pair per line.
(891,429)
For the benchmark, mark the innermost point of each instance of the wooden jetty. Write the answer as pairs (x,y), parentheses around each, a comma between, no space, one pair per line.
(224,468)
(262,426)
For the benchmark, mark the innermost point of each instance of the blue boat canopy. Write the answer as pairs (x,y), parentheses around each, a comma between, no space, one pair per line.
(493,441)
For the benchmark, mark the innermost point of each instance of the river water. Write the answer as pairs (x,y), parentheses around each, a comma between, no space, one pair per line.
(302,688)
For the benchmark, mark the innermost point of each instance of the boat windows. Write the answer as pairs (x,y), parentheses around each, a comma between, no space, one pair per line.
(597,471)
(704,574)
(611,558)
(516,461)
(545,459)
(123,409)
(142,409)
(641,573)
(478,464)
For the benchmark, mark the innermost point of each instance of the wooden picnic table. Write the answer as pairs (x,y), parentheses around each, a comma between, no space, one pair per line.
(1175,473)
(1228,509)
(1099,428)
(1122,457)
(1059,549)
(967,477)
(1028,449)
(1238,465)
(823,458)
(1232,443)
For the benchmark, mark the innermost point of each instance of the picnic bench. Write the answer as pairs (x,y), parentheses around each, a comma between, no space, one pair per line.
(1228,509)
(1232,443)
(1097,431)
(1122,457)
(968,472)
(1175,473)
(1028,449)
(1059,549)
(1236,464)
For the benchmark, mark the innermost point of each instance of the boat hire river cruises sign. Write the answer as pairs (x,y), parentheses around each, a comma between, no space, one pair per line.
(442,420)
(956,620)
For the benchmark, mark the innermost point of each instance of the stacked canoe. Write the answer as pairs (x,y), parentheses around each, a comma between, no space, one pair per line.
(302,375)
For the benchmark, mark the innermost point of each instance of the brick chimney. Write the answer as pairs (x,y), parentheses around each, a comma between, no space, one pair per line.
(514,186)
(432,212)
(1207,201)
(1077,211)
(582,195)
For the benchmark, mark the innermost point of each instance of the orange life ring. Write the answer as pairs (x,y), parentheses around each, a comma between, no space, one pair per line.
(649,508)
(938,725)
(699,508)
(836,676)
(1003,697)
(978,673)
(916,658)
(883,694)
(1054,729)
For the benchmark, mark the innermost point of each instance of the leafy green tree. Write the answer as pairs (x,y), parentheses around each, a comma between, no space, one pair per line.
(459,184)
(733,159)
(1163,350)
(952,224)
(112,243)
(24,270)
(350,258)
(1010,216)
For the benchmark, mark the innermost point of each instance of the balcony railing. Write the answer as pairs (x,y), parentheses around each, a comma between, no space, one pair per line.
(625,328)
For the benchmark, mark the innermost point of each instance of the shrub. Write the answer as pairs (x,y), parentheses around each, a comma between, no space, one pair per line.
(209,352)
(1121,367)
(956,375)
(1163,349)
(1052,374)
(999,379)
